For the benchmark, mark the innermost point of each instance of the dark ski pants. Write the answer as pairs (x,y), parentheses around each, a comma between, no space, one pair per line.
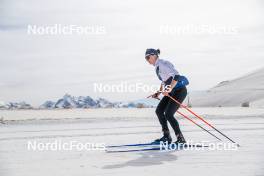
(167,108)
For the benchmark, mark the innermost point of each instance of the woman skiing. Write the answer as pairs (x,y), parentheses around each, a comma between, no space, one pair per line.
(167,107)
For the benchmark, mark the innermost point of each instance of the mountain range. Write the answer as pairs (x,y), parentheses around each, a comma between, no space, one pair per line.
(15,105)
(68,101)
(244,91)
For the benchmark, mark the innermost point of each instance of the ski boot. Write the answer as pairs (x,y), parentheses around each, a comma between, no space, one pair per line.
(165,138)
(180,139)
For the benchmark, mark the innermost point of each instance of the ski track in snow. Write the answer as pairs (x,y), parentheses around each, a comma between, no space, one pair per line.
(16,159)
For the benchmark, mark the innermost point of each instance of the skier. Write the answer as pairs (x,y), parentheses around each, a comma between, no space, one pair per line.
(177,89)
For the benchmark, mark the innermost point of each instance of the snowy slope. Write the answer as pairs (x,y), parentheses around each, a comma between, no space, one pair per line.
(258,103)
(246,89)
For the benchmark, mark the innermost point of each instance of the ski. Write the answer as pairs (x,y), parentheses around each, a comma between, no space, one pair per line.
(133,145)
(132,150)
(149,147)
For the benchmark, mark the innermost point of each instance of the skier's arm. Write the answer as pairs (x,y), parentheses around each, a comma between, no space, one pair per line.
(173,84)
(170,87)
(156,95)
(161,88)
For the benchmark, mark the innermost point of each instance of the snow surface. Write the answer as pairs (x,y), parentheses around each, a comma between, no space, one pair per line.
(122,126)
(248,88)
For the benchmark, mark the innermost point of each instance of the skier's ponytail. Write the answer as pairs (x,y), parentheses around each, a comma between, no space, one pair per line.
(158,51)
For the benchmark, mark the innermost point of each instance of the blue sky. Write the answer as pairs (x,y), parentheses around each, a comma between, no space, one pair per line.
(36,68)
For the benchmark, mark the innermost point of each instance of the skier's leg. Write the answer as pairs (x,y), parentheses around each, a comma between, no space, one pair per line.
(160,111)
(172,107)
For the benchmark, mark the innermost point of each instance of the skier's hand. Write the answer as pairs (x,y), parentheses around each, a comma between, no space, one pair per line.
(156,95)
(167,90)
(166,93)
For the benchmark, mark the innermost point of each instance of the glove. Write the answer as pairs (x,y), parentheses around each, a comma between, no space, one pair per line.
(156,95)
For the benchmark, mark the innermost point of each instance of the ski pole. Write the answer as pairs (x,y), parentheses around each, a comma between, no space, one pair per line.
(194,123)
(185,107)
(198,125)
